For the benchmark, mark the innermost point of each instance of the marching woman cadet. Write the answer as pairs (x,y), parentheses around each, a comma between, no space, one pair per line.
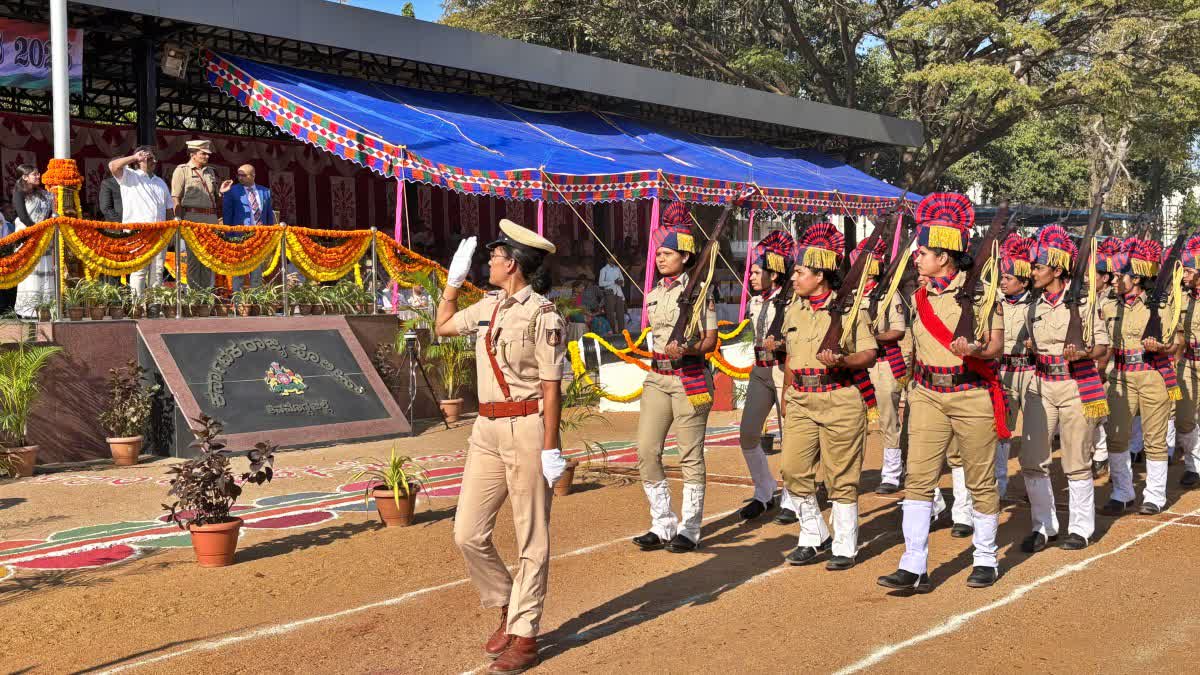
(1066,397)
(514,446)
(1143,382)
(1016,364)
(957,398)
(1108,261)
(890,371)
(1189,369)
(825,416)
(770,277)
(677,390)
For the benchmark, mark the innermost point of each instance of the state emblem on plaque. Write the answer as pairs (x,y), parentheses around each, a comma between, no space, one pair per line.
(284,381)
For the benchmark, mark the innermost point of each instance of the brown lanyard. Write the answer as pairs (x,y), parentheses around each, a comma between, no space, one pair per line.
(490,348)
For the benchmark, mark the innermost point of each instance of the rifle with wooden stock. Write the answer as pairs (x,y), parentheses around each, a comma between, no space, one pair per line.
(1161,294)
(1075,296)
(696,289)
(850,282)
(966,294)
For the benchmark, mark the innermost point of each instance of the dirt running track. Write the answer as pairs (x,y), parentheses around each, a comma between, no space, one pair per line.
(345,595)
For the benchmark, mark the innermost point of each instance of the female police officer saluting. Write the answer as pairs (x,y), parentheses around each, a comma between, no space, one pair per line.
(513,449)
(677,390)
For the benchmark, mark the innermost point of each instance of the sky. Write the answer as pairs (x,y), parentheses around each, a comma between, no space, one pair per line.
(427,10)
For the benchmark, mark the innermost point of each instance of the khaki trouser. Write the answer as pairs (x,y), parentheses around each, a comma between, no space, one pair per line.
(1189,385)
(830,424)
(1015,386)
(939,423)
(198,275)
(762,395)
(1052,406)
(663,403)
(614,307)
(1134,393)
(887,402)
(504,460)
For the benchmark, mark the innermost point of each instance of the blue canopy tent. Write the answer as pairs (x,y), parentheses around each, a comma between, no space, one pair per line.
(473,144)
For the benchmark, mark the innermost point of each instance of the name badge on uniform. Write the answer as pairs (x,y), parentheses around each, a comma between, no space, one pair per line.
(554,336)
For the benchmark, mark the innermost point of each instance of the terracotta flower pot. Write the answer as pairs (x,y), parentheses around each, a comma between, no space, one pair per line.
(139,312)
(116,311)
(44,314)
(23,459)
(389,513)
(97,312)
(153,311)
(75,313)
(203,311)
(318,310)
(220,310)
(452,408)
(305,310)
(562,486)
(125,449)
(215,544)
(245,309)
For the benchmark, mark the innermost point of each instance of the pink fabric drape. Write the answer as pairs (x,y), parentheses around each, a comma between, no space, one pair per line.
(649,260)
(541,217)
(398,234)
(896,239)
(746,274)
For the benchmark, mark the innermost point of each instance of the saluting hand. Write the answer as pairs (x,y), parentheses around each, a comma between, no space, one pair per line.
(460,266)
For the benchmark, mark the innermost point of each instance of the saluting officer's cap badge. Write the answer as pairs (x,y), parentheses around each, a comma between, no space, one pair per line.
(514,234)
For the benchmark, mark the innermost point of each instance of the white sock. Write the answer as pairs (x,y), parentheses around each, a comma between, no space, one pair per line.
(961,511)
(693,511)
(1002,450)
(893,466)
(845,529)
(1156,483)
(760,473)
(1170,438)
(813,531)
(1083,508)
(916,536)
(1041,502)
(984,538)
(1101,453)
(938,504)
(1191,453)
(787,502)
(662,519)
(1120,473)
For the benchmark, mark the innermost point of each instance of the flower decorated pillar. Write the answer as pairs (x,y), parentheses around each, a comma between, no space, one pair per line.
(64,181)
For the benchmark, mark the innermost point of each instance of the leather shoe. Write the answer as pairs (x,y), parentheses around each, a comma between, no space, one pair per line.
(649,542)
(1073,542)
(1115,507)
(500,639)
(1149,509)
(681,544)
(1036,542)
(520,656)
(982,577)
(1099,468)
(1189,479)
(887,489)
(754,509)
(839,563)
(961,531)
(903,580)
(806,555)
(787,517)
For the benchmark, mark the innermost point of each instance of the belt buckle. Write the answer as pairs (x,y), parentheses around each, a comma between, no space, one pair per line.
(660,364)
(1134,359)
(941,379)
(810,381)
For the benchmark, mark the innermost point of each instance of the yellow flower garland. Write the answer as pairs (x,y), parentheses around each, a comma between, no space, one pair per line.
(196,248)
(40,244)
(297,255)
(581,373)
(108,266)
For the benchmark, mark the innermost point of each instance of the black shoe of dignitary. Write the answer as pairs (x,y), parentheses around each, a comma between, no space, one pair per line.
(754,509)
(903,580)
(681,544)
(1099,468)
(961,531)
(1073,542)
(787,517)
(982,577)
(1189,479)
(1036,542)
(839,563)
(807,555)
(1115,507)
(649,542)
(1149,509)
(887,489)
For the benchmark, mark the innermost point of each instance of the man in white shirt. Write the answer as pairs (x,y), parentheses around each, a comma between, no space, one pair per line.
(611,280)
(144,199)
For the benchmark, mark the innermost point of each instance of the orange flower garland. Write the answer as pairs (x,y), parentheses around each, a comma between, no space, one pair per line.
(62,173)
(33,242)
(326,263)
(114,256)
(227,257)
(401,262)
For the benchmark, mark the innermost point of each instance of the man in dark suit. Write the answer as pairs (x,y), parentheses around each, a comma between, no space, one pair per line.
(246,204)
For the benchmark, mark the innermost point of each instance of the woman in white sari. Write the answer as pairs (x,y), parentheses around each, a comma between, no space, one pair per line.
(33,204)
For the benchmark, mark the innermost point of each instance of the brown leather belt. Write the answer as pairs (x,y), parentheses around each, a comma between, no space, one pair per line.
(509,408)
(197,209)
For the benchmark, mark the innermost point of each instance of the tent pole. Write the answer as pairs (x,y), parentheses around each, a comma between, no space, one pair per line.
(746,273)
(178,273)
(649,259)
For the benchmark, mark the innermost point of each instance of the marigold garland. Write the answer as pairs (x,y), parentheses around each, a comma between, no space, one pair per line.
(395,259)
(581,373)
(229,258)
(33,242)
(109,255)
(325,263)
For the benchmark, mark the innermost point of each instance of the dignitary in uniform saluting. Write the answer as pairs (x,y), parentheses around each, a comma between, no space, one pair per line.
(1016,364)
(770,281)
(825,418)
(677,391)
(953,400)
(1143,382)
(1187,435)
(513,450)
(1066,397)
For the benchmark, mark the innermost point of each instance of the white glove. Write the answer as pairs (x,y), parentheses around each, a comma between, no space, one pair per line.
(460,266)
(553,466)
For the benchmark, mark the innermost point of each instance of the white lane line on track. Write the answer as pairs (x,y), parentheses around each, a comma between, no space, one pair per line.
(291,626)
(958,621)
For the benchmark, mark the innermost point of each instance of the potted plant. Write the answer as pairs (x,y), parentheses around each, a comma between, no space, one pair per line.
(201,299)
(303,296)
(45,308)
(221,305)
(20,368)
(76,298)
(270,299)
(243,301)
(394,486)
(128,412)
(118,300)
(322,298)
(452,358)
(205,489)
(97,299)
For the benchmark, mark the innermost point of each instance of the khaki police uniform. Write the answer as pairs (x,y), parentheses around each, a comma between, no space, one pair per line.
(1136,389)
(1052,405)
(504,453)
(665,403)
(825,422)
(1107,304)
(198,194)
(764,392)
(1188,372)
(888,390)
